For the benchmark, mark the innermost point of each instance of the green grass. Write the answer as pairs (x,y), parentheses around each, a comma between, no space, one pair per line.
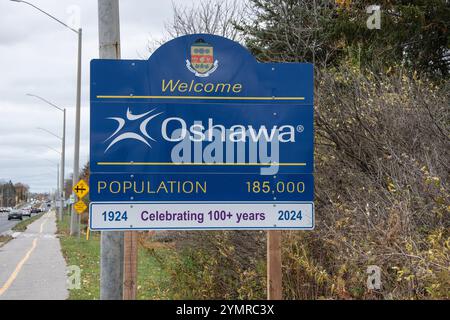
(22,226)
(86,254)
(4,240)
(153,280)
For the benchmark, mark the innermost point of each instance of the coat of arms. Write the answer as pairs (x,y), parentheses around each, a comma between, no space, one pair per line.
(202,62)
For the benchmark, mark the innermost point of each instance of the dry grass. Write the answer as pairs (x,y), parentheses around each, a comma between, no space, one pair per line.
(4,240)
(382,198)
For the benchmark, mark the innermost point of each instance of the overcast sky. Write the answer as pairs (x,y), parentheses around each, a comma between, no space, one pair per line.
(38,56)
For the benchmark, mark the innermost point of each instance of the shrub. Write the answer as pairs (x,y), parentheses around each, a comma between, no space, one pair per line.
(382,198)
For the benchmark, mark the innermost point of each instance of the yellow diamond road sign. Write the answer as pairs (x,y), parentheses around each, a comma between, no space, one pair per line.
(80,206)
(81,189)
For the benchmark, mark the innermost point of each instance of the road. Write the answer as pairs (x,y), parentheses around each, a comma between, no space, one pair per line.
(32,266)
(6,225)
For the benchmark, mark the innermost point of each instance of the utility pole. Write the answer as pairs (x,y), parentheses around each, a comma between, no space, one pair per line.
(111,244)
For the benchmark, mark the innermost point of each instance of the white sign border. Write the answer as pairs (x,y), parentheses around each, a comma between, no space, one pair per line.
(202,228)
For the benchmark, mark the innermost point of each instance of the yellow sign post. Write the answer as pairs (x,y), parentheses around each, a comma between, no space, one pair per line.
(81,189)
(80,206)
(87,231)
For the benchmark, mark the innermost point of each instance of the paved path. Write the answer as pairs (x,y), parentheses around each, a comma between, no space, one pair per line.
(32,265)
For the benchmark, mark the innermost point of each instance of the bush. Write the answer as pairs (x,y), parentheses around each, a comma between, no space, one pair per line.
(217,265)
(382,199)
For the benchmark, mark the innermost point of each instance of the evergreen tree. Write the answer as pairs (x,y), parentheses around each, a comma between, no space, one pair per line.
(413,33)
(289,30)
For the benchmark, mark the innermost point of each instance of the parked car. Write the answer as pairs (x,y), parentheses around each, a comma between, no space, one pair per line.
(26,212)
(15,214)
(36,210)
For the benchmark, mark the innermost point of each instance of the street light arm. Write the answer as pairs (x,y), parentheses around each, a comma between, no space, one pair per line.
(53,149)
(52,162)
(46,101)
(49,132)
(47,14)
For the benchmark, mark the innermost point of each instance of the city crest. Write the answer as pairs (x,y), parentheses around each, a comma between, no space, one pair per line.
(202,62)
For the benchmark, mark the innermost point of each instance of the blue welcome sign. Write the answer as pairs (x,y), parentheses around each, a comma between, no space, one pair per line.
(201,136)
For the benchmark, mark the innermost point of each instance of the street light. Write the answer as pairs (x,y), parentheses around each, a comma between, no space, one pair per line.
(49,132)
(50,161)
(46,13)
(53,149)
(63,159)
(63,140)
(74,225)
(58,187)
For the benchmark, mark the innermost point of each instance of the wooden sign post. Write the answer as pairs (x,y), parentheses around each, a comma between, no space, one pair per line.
(274,270)
(130,258)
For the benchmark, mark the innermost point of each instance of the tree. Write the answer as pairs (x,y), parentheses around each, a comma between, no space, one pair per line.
(214,17)
(289,30)
(209,16)
(413,34)
(85,172)
(68,186)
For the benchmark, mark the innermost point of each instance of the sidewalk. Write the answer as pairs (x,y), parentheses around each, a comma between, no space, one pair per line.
(32,265)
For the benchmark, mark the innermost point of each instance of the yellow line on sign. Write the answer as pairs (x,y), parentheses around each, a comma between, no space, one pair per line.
(204,98)
(301,164)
